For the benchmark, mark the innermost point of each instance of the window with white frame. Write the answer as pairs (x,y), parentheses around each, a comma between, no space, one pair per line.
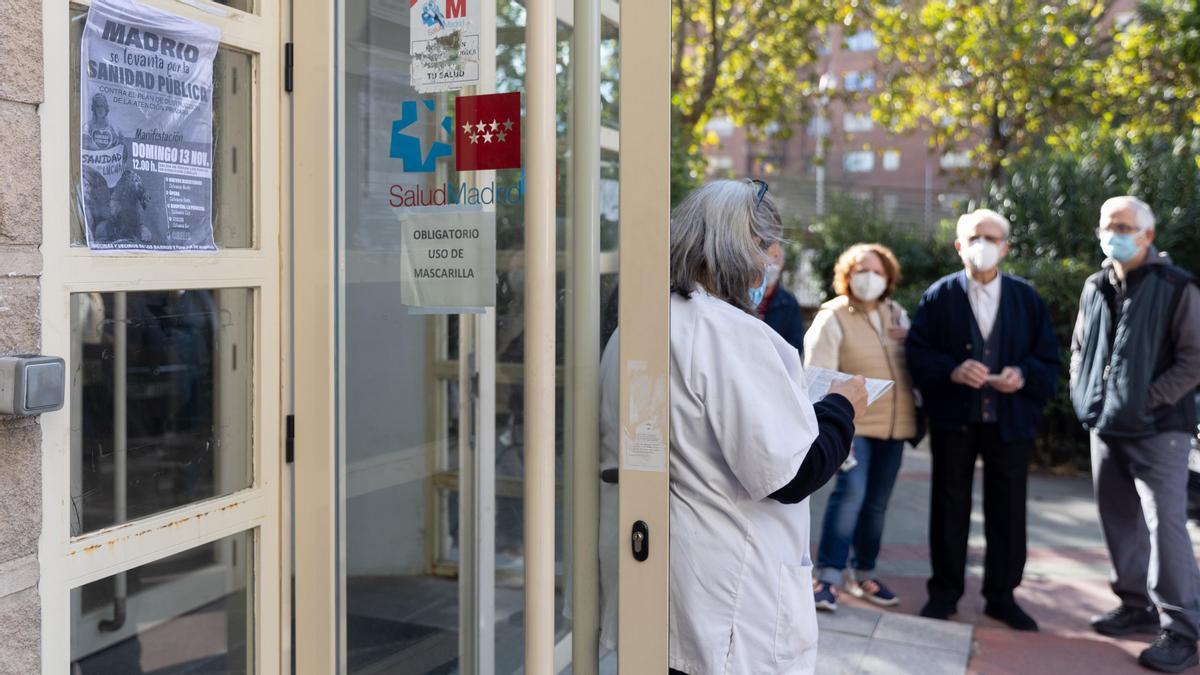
(165,498)
(721,126)
(854,80)
(956,160)
(859,161)
(862,41)
(854,122)
(891,160)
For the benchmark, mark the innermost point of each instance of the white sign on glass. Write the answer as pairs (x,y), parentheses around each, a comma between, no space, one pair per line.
(444,44)
(448,260)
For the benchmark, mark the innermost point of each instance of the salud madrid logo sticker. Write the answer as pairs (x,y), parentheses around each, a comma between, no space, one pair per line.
(486,130)
(406,140)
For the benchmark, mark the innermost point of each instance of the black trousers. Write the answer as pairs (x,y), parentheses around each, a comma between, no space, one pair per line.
(1005,471)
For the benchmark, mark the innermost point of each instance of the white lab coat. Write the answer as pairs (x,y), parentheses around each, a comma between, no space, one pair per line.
(741,424)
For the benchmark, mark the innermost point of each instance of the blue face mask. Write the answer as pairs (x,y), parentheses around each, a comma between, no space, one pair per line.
(1119,247)
(756,294)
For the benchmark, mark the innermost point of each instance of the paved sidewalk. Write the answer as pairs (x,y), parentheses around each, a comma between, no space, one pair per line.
(860,640)
(1066,582)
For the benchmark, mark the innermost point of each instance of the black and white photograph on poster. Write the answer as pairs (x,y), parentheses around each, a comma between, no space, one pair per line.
(146,149)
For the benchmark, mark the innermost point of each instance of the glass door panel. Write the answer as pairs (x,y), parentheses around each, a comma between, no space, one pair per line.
(430,405)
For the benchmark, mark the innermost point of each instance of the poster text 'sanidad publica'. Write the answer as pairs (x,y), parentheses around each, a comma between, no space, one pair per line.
(157,47)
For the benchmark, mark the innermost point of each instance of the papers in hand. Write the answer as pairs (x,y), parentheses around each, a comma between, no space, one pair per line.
(820,379)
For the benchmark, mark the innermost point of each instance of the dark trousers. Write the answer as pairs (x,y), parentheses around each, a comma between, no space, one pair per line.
(1141,491)
(1005,470)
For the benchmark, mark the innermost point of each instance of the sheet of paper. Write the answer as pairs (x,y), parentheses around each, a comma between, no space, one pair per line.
(820,379)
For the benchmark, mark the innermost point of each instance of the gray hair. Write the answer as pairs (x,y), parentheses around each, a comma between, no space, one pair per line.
(968,221)
(720,234)
(1141,211)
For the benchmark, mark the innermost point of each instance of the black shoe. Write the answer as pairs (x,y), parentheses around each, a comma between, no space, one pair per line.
(1126,620)
(1011,614)
(934,610)
(1170,653)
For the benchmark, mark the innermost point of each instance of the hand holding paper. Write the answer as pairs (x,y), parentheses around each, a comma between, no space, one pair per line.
(854,390)
(819,381)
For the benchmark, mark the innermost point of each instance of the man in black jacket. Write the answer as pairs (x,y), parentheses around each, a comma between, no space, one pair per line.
(1135,364)
(779,308)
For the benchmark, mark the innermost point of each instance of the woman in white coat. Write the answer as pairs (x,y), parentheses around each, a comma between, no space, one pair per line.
(747,448)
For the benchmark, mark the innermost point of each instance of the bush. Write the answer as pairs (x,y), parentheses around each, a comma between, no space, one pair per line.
(924,255)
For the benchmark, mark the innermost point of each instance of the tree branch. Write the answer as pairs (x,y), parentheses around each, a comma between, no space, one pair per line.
(680,46)
(712,66)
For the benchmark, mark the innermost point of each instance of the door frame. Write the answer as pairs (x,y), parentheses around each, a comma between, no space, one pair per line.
(66,561)
(644,231)
(645,111)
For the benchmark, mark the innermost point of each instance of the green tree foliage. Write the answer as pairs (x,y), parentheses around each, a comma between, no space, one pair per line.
(995,78)
(1151,84)
(744,60)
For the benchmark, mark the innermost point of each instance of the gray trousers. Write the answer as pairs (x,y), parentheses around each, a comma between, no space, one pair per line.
(1141,490)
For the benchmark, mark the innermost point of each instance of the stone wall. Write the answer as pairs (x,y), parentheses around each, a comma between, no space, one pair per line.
(20,329)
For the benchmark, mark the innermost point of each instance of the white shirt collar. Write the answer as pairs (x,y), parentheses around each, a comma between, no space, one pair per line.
(990,289)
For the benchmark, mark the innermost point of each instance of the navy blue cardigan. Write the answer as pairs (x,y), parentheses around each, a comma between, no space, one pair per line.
(940,339)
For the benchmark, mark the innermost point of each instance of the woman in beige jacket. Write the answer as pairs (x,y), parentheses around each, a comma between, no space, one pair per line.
(862,332)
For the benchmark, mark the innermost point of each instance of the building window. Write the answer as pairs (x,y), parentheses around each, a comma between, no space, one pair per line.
(891,202)
(854,122)
(953,201)
(956,160)
(862,41)
(721,126)
(720,163)
(853,80)
(891,160)
(859,161)
(818,126)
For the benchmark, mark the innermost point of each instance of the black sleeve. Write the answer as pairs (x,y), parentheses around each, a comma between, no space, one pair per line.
(835,433)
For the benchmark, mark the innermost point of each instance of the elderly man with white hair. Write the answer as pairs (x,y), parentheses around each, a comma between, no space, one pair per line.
(981,351)
(1135,365)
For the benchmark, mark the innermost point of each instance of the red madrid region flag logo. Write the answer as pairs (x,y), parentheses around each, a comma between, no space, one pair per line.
(487,132)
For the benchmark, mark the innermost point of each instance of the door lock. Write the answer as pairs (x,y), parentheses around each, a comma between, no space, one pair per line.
(640,541)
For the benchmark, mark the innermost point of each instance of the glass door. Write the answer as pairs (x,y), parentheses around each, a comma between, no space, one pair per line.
(430,413)
(161,535)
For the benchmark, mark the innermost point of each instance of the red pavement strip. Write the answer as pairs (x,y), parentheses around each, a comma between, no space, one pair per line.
(1089,555)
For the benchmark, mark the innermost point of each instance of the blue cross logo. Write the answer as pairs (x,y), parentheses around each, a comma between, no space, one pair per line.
(408,147)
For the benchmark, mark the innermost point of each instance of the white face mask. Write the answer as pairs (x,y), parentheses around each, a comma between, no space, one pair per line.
(867,286)
(981,255)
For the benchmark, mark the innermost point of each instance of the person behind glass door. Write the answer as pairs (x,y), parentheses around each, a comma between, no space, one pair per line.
(862,332)
(981,351)
(747,447)
(1135,397)
(779,308)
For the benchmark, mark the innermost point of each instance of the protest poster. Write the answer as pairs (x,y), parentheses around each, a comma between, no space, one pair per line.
(146,153)
(444,44)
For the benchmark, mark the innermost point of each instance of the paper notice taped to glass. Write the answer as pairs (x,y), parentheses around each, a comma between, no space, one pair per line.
(819,380)
(448,260)
(644,436)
